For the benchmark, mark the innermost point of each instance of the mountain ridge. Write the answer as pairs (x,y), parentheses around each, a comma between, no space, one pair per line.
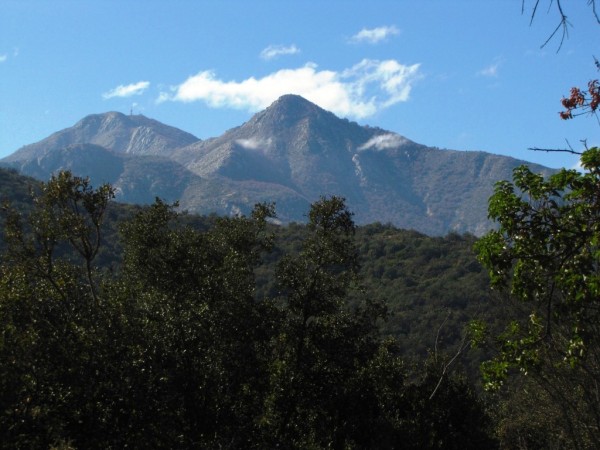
(290,153)
(133,134)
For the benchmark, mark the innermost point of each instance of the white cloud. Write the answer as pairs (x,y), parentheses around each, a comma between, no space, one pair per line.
(383,141)
(491,70)
(374,35)
(164,97)
(254,143)
(127,90)
(359,91)
(273,51)
(6,56)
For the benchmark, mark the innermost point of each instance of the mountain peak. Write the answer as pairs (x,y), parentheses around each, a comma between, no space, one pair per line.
(101,122)
(115,131)
(295,106)
(114,119)
(130,133)
(292,101)
(291,108)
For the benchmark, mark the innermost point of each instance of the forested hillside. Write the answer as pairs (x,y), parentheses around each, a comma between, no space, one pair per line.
(142,327)
(427,284)
(169,343)
(424,282)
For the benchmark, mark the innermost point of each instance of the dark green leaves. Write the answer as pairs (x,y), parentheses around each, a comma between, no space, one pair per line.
(546,251)
(178,349)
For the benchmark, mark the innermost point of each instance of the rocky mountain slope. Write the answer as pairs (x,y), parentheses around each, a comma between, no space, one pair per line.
(135,135)
(290,153)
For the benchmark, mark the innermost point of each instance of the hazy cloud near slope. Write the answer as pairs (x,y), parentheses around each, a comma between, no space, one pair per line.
(383,141)
(254,143)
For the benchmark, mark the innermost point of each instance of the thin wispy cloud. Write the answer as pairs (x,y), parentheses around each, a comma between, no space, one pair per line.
(6,56)
(275,51)
(491,70)
(374,35)
(383,141)
(127,90)
(360,91)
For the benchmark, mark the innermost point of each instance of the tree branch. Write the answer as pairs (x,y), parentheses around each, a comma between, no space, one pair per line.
(556,150)
(461,347)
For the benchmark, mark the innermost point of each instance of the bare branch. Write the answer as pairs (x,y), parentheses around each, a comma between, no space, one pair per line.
(565,33)
(461,348)
(563,24)
(556,150)
(437,336)
(537,2)
(593,3)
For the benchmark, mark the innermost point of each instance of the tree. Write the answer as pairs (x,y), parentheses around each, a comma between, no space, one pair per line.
(322,344)
(169,352)
(334,382)
(67,211)
(546,251)
(54,330)
(202,335)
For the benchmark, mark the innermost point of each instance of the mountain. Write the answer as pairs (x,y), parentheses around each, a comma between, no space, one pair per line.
(135,135)
(130,152)
(290,153)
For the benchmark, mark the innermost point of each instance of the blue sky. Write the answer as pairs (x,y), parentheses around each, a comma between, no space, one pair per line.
(465,75)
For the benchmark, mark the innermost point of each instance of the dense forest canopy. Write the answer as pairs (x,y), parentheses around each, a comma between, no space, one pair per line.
(175,344)
(145,326)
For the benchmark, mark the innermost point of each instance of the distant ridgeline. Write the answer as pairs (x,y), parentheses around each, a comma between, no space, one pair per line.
(291,153)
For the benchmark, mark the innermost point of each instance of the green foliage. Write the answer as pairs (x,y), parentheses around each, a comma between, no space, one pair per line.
(546,252)
(322,345)
(177,348)
(426,282)
(54,332)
